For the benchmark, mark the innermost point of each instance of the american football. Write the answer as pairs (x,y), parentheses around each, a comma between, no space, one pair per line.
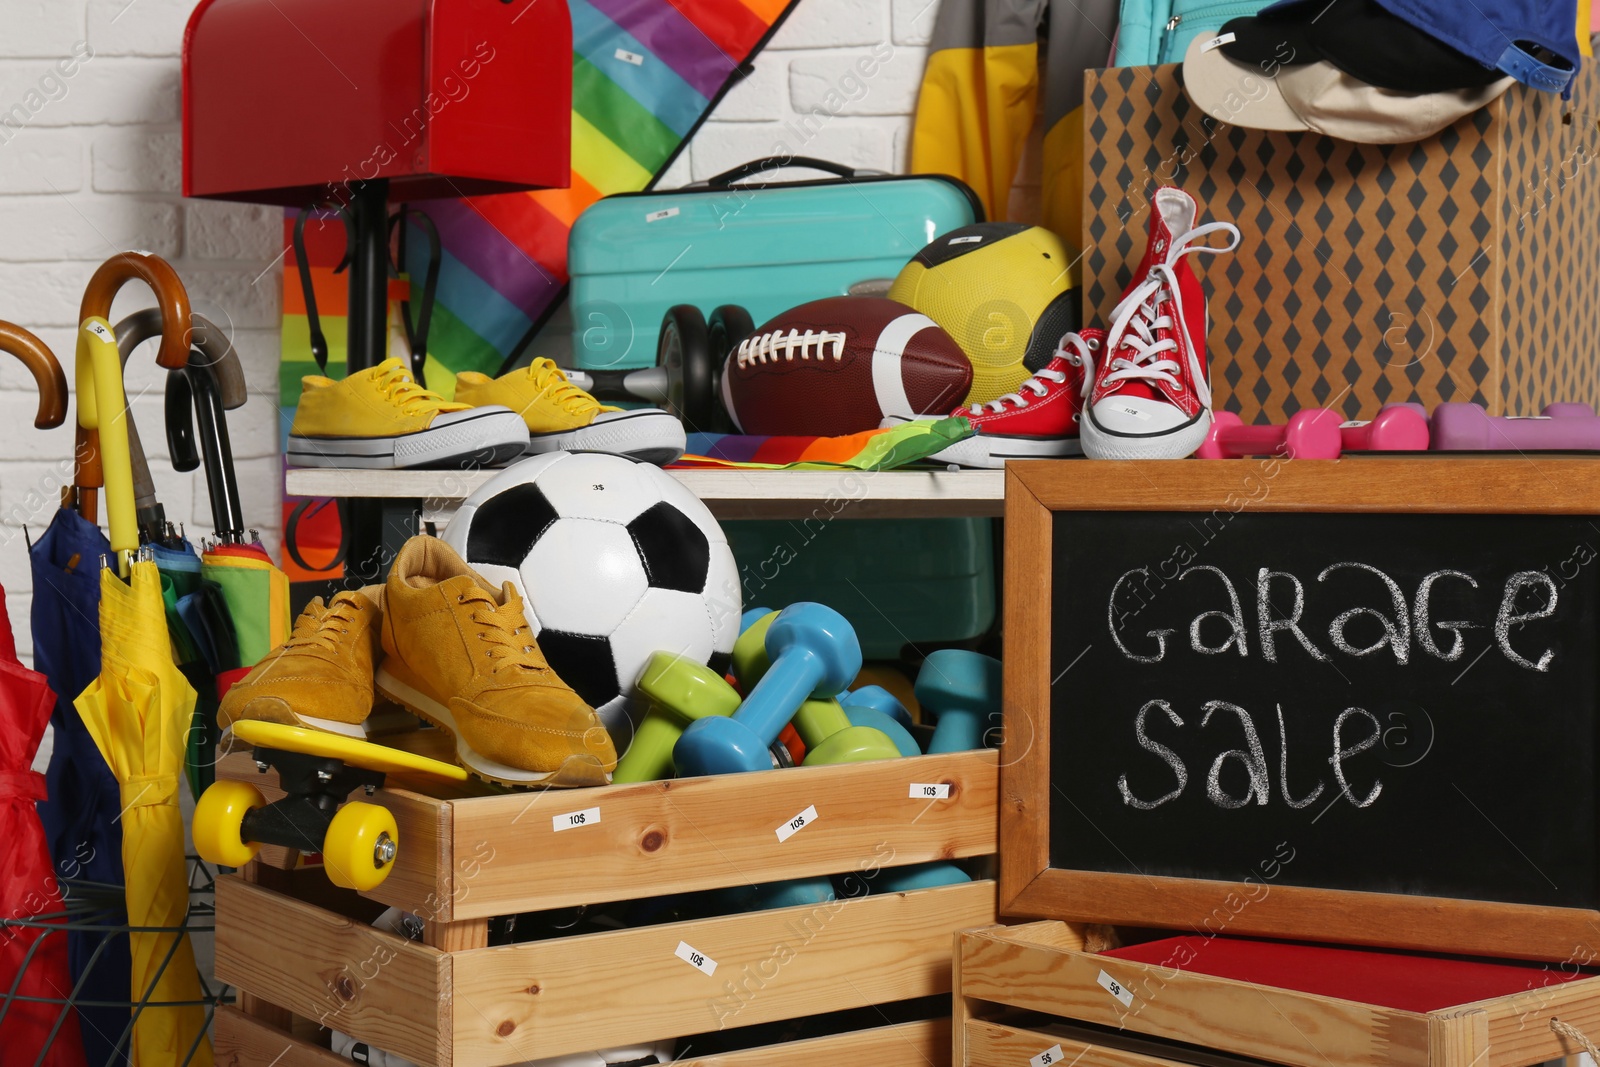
(840,366)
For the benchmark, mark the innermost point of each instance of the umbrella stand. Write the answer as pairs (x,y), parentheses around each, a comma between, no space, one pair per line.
(95,910)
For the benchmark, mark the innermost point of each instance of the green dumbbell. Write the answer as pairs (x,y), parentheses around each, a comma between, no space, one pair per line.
(750,660)
(831,738)
(679,691)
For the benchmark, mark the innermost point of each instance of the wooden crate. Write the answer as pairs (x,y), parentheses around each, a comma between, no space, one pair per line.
(305,956)
(1048,968)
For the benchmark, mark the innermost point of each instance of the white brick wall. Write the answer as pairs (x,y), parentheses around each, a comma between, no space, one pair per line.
(95,169)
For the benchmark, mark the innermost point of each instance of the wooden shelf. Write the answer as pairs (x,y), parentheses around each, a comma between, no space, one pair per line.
(730,494)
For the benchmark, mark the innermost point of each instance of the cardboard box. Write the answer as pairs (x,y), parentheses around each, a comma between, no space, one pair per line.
(1464,267)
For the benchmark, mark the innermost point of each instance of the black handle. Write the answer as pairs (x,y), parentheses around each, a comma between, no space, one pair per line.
(758,166)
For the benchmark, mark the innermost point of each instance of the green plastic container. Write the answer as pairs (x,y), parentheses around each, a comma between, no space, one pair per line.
(899,581)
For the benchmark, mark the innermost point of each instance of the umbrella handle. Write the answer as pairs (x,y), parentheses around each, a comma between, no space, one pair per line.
(46,371)
(198,383)
(214,350)
(103,407)
(172,297)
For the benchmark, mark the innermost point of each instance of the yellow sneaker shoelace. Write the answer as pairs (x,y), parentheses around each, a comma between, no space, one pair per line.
(320,626)
(394,379)
(505,630)
(551,383)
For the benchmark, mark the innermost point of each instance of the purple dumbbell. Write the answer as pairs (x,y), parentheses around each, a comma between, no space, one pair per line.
(1560,428)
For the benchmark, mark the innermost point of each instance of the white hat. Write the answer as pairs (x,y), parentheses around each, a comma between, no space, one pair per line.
(1320,97)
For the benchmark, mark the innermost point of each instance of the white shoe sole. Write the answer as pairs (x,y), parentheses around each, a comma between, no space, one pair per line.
(1178,443)
(990,451)
(576,771)
(648,435)
(475,439)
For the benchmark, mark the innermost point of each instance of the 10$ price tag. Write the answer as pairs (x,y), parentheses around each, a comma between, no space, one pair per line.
(798,823)
(574,819)
(695,959)
(930,790)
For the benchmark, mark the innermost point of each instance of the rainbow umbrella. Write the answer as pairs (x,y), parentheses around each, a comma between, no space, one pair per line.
(138,713)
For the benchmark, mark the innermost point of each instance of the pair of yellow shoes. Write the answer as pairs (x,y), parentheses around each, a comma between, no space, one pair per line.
(381,418)
(439,640)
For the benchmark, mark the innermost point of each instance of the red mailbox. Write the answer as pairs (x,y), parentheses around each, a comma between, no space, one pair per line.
(292,101)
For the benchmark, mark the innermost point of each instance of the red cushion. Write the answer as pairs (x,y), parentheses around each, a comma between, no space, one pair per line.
(1403,980)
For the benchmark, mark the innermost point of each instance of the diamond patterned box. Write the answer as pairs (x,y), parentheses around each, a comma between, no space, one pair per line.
(1464,267)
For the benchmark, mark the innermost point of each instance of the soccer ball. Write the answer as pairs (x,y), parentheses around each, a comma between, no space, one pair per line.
(615,560)
(1006,293)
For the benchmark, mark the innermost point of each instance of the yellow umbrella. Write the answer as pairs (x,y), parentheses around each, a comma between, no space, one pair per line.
(138,712)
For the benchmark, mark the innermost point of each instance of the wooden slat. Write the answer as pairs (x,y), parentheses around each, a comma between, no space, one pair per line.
(701,833)
(1460,1038)
(241,1041)
(553,997)
(998,1044)
(1024,783)
(1519,1026)
(341,973)
(454,937)
(918,1044)
(1242,1018)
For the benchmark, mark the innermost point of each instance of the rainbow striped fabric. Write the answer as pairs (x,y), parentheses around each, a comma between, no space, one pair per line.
(644,73)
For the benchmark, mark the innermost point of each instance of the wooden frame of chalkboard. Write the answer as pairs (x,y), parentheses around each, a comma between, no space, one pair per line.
(1413,869)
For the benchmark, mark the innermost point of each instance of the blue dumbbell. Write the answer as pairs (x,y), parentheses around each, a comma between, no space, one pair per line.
(876,707)
(752,616)
(814,653)
(930,875)
(793,893)
(963,690)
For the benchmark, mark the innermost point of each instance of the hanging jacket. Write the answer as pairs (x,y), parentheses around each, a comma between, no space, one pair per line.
(981,92)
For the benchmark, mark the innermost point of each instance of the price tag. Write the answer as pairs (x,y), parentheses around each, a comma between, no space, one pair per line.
(1116,989)
(664,213)
(574,819)
(99,330)
(697,960)
(1048,1056)
(798,823)
(630,57)
(930,790)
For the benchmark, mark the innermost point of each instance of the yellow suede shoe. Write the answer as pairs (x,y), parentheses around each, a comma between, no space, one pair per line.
(381,418)
(563,418)
(321,678)
(459,654)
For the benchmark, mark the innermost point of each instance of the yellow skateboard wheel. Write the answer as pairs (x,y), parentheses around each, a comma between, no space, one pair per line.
(219,822)
(361,845)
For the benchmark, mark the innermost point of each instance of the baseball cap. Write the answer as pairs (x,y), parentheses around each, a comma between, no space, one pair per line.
(1418,46)
(1319,97)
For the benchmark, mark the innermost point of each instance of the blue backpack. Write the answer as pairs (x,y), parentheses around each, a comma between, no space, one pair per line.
(1159,31)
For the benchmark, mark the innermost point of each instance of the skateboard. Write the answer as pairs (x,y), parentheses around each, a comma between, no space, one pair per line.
(318,770)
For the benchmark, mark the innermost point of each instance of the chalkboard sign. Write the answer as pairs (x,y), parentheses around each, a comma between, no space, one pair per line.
(1361,702)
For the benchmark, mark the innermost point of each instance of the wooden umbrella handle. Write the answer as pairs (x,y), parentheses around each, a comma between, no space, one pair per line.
(46,371)
(87,476)
(171,296)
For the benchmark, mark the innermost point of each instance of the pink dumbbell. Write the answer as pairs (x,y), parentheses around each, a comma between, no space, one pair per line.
(1310,434)
(1398,428)
(1560,428)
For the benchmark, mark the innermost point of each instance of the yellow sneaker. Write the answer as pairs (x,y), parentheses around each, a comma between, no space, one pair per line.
(459,654)
(381,418)
(563,418)
(321,678)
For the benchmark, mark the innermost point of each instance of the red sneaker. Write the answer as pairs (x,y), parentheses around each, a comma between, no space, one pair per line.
(1150,391)
(1039,420)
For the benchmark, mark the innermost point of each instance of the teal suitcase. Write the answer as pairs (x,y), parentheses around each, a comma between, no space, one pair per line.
(765,246)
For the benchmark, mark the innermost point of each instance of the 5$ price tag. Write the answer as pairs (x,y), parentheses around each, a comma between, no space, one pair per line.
(1116,989)
(1047,1057)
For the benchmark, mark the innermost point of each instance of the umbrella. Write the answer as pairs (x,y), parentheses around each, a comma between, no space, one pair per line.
(32,964)
(256,593)
(138,712)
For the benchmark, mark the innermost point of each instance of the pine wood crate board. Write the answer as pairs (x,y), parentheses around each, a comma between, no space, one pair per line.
(242,1041)
(1043,967)
(491,1006)
(465,857)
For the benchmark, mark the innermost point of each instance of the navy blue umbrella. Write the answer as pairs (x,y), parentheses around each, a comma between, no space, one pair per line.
(80,818)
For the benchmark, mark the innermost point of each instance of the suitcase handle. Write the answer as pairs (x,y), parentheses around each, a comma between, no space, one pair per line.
(758,166)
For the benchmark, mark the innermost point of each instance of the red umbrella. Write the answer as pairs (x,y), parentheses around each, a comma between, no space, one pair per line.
(33,963)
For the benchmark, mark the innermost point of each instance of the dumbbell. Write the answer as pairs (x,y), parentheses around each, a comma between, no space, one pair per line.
(875,706)
(1312,434)
(686,380)
(752,616)
(963,689)
(678,690)
(1461,427)
(1398,428)
(750,649)
(814,652)
(831,737)
(792,893)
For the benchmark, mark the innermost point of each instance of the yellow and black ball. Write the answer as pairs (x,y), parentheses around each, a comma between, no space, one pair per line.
(1006,292)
